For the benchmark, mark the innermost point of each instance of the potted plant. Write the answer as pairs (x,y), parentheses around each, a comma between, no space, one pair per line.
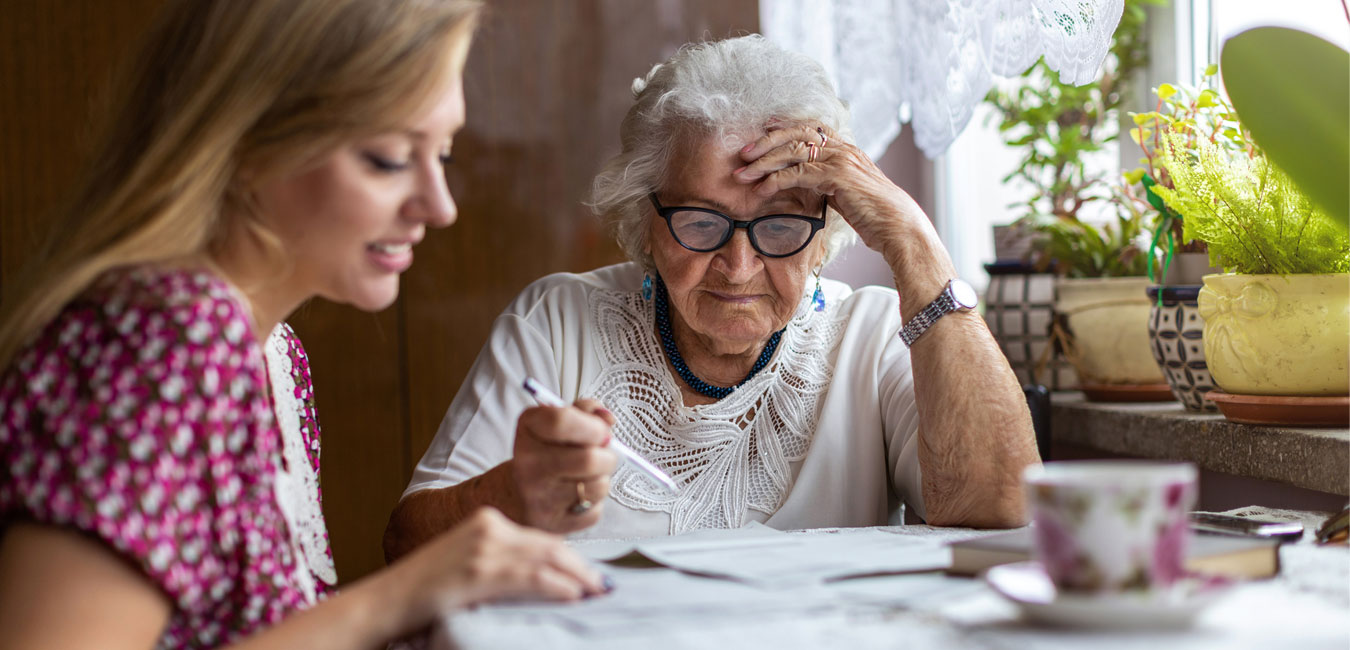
(1101,310)
(1187,116)
(1193,114)
(1056,126)
(1276,323)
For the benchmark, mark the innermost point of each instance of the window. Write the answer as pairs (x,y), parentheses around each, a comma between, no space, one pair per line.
(1184,37)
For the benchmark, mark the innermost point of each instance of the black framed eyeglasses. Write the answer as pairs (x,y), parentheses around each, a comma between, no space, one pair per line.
(703,230)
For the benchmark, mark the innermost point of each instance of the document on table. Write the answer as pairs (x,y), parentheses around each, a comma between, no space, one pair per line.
(648,599)
(765,557)
(758,575)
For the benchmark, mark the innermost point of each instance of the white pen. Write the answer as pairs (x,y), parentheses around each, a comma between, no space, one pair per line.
(546,397)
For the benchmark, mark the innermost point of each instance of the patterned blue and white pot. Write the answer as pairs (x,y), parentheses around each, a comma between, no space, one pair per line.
(1019,308)
(1176,332)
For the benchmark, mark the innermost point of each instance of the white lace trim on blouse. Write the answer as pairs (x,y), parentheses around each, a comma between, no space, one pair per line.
(297,484)
(726,456)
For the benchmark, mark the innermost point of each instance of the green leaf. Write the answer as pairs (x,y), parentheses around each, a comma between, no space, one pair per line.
(1290,89)
(1207,98)
(1133,177)
(1211,70)
(1166,90)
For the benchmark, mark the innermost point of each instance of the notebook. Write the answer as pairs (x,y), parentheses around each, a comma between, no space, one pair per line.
(1233,557)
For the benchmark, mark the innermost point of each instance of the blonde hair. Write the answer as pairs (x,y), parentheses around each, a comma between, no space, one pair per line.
(226,95)
(721,90)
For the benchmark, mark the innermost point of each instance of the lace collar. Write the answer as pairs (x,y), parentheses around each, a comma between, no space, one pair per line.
(727,456)
(296,487)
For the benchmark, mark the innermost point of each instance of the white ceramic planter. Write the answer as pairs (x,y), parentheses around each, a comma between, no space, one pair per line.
(1107,320)
(1278,334)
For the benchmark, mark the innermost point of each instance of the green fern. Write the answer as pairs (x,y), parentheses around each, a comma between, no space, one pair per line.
(1251,214)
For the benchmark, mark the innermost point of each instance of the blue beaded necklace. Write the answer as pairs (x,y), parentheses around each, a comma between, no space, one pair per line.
(673,353)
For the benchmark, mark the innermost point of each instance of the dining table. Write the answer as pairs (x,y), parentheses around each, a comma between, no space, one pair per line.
(1305,606)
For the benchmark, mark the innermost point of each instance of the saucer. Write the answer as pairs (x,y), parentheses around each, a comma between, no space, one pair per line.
(1028,587)
(1283,410)
(1127,392)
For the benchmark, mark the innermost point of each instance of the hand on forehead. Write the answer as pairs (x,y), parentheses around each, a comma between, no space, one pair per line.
(702,171)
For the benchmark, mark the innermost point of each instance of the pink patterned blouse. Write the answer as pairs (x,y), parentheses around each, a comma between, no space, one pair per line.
(143,416)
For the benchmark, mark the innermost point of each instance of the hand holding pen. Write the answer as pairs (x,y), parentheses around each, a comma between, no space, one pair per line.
(651,472)
(560,468)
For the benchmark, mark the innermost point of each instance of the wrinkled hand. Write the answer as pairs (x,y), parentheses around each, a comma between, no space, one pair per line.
(887,219)
(559,461)
(487,558)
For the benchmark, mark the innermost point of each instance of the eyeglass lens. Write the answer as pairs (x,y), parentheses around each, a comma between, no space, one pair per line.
(772,235)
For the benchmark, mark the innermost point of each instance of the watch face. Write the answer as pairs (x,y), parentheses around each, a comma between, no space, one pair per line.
(964,294)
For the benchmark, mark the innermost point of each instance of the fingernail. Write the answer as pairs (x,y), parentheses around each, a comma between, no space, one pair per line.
(738,171)
(607,583)
(747,147)
(602,412)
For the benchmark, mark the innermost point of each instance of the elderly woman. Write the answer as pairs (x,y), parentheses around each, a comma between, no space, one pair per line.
(768,393)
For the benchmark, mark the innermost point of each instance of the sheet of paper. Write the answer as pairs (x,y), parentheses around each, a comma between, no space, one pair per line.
(605,550)
(781,559)
(659,598)
(647,599)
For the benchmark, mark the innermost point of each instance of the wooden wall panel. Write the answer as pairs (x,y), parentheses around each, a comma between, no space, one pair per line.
(56,57)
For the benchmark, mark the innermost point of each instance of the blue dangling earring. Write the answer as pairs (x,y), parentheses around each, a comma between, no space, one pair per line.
(818,298)
(647,286)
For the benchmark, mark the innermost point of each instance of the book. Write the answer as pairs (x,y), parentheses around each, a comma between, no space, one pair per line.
(1232,557)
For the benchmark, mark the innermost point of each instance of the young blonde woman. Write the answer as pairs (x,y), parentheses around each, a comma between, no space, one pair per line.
(156,415)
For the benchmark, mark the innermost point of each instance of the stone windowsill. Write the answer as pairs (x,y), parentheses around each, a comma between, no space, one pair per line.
(1316,459)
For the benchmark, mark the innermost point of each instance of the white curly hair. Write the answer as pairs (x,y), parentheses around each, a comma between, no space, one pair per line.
(718,89)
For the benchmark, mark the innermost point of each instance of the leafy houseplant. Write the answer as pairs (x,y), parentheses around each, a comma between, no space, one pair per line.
(1184,119)
(1078,249)
(1253,217)
(1188,116)
(1290,87)
(1277,323)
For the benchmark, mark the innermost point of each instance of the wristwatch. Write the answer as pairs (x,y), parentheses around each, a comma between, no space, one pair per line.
(958,295)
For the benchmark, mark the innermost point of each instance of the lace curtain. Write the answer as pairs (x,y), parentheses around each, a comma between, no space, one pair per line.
(935,60)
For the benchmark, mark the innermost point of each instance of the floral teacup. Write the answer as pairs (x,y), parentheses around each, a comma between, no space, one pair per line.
(1111,525)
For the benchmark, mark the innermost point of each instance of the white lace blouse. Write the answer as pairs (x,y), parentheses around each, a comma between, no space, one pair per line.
(825,435)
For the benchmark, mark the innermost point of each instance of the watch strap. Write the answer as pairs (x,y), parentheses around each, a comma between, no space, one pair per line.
(941,306)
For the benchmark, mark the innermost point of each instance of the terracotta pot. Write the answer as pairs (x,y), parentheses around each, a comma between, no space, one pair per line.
(1278,334)
(1176,334)
(1105,323)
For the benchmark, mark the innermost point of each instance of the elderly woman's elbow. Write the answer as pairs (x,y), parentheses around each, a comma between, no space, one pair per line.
(993,508)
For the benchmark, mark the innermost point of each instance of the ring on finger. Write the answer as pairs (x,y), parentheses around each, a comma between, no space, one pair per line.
(824,139)
(811,149)
(583,504)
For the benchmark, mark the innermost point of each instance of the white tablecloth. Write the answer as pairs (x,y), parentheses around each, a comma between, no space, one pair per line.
(1306,607)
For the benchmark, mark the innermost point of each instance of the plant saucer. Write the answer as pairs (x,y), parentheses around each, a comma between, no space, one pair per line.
(1283,410)
(1026,585)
